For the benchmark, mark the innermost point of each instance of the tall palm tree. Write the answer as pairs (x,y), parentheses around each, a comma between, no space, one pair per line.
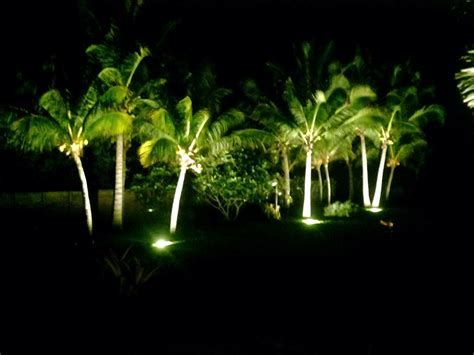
(338,104)
(120,102)
(364,125)
(187,140)
(282,137)
(329,149)
(64,126)
(407,117)
(465,78)
(400,152)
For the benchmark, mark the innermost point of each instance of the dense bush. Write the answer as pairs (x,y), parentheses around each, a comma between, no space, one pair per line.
(341,209)
(236,179)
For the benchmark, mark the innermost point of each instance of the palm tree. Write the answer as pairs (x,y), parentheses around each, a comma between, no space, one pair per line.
(63,126)
(408,135)
(282,137)
(465,79)
(119,102)
(328,149)
(187,141)
(404,115)
(365,124)
(329,109)
(400,151)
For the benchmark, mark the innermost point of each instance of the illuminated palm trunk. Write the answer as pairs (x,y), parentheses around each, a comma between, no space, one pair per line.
(378,186)
(177,198)
(351,180)
(307,186)
(365,173)
(286,172)
(320,180)
(85,191)
(389,183)
(117,221)
(328,182)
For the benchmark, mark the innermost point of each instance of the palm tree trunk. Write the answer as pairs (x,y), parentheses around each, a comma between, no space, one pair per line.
(320,180)
(117,221)
(365,173)
(286,172)
(177,198)
(389,183)
(378,186)
(328,182)
(85,191)
(307,186)
(351,180)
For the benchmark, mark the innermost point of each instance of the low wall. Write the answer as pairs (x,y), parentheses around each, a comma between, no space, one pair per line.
(70,202)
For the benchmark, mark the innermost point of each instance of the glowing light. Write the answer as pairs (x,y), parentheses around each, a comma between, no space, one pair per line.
(161,243)
(151,209)
(374,209)
(311,221)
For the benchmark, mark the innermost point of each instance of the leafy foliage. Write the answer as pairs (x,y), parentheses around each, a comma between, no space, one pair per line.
(155,187)
(235,179)
(465,80)
(128,271)
(341,209)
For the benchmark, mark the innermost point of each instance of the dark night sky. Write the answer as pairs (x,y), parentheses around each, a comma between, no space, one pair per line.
(241,36)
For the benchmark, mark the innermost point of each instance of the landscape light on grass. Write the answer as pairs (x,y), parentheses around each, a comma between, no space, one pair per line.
(162,243)
(311,221)
(374,209)
(151,209)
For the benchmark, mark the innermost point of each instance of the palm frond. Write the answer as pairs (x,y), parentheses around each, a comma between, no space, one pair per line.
(225,122)
(408,150)
(428,115)
(87,102)
(465,79)
(185,109)
(111,77)
(322,62)
(251,138)
(115,97)
(38,133)
(367,120)
(109,124)
(361,95)
(163,122)
(162,147)
(53,103)
(148,103)
(104,54)
(252,91)
(131,63)
(298,112)
(338,81)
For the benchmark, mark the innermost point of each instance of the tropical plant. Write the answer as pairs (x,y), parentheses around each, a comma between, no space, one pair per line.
(62,125)
(341,209)
(129,272)
(405,115)
(282,136)
(118,103)
(326,111)
(404,134)
(233,180)
(465,78)
(328,149)
(188,140)
(155,186)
